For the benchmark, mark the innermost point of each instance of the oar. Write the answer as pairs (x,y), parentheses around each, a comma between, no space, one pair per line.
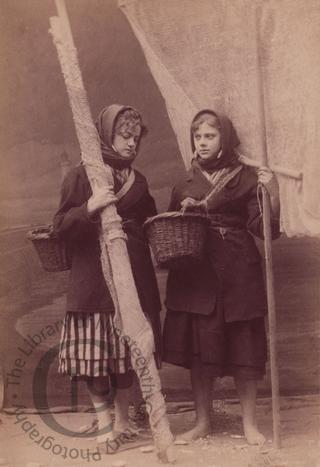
(268,251)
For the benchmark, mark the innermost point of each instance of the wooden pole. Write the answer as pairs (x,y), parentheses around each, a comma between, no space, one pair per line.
(268,251)
(131,325)
(278,169)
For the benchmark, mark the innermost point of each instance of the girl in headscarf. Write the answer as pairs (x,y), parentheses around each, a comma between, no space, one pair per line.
(91,347)
(216,309)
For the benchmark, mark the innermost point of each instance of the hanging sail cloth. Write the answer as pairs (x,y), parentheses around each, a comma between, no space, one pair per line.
(217,66)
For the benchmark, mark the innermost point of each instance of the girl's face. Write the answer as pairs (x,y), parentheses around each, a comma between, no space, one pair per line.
(207,141)
(125,142)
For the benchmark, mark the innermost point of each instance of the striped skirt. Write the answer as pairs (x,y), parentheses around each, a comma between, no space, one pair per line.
(90,347)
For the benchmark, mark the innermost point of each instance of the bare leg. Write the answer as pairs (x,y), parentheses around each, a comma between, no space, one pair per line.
(247,390)
(98,390)
(122,384)
(121,409)
(140,415)
(202,382)
(136,395)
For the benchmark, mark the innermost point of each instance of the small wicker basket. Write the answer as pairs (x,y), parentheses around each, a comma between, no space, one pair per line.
(53,253)
(177,238)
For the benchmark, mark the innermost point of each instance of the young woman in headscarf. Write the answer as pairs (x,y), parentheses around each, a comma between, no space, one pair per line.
(90,345)
(216,309)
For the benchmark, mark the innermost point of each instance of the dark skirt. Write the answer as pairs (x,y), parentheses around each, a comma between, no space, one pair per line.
(236,349)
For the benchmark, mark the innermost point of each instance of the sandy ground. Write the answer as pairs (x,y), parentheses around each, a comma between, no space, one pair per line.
(226,447)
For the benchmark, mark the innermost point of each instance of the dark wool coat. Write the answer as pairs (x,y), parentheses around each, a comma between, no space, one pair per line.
(231,274)
(87,291)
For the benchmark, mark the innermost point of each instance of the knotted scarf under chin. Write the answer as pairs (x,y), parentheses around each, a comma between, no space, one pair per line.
(114,159)
(215,163)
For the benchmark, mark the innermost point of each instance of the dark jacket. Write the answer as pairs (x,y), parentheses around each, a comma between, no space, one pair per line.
(87,289)
(231,271)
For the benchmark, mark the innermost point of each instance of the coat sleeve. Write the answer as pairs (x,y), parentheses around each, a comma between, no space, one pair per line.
(175,201)
(72,219)
(146,207)
(150,206)
(255,217)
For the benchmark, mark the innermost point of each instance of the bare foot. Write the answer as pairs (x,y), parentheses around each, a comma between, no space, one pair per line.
(106,435)
(253,435)
(199,431)
(127,429)
(105,438)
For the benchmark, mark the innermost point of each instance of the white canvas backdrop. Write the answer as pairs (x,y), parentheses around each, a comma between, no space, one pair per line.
(204,54)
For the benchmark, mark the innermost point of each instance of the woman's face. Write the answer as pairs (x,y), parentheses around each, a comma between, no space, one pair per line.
(207,141)
(125,142)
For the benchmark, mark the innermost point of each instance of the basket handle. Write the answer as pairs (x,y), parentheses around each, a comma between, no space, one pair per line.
(222,181)
(202,204)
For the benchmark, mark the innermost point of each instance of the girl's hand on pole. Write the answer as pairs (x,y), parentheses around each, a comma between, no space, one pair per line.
(100,200)
(267,178)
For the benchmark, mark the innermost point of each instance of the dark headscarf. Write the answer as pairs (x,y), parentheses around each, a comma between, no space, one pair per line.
(229,141)
(105,125)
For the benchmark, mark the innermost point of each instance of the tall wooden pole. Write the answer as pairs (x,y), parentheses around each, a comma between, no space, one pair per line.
(268,250)
(131,325)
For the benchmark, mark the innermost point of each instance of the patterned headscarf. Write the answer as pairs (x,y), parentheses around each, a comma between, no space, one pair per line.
(106,123)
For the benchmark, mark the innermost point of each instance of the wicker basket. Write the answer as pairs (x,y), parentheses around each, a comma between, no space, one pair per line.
(53,253)
(177,239)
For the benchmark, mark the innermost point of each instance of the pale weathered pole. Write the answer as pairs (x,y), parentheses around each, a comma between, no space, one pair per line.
(131,324)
